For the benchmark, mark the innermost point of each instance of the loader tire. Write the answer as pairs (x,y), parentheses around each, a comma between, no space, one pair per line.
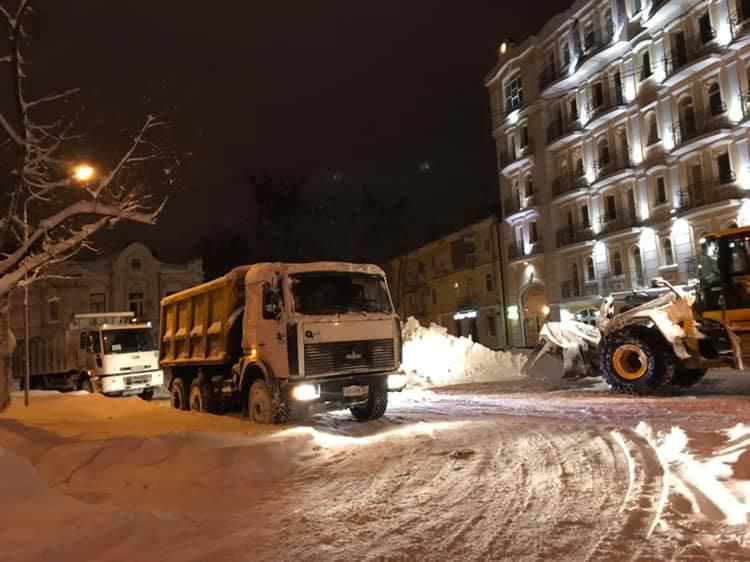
(637,364)
(376,405)
(266,406)
(688,377)
(179,395)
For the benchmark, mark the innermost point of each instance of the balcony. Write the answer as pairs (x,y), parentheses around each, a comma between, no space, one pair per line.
(468,302)
(572,290)
(569,235)
(559,132)
(514,204)
(612,105)
(620,222)
(697,129)
(564,185)
(510,161)
(700,51)
(707,193)
(517,250)
(625,281)
(608,170)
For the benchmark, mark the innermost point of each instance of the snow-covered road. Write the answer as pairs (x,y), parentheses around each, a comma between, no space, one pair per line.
(517,470)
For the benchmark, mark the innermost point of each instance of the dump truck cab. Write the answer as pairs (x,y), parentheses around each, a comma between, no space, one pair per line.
(279,338)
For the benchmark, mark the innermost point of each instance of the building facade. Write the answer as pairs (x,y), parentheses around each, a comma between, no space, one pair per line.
(132,280)
(455,282)
(622,138)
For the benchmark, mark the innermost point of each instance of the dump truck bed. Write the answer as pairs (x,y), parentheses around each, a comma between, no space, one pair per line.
(197,324)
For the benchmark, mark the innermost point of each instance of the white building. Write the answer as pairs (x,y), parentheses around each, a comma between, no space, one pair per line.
(622,137)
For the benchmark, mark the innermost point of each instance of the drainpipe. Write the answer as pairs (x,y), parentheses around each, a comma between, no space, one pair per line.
(501,280)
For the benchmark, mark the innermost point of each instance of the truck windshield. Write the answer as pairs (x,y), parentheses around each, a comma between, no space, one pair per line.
(335,293)
(127,341)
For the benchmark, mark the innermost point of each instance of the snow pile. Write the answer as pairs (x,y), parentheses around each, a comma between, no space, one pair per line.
(432,357)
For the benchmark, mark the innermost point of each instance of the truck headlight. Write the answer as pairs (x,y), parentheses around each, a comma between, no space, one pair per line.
(396,382)
(306,392)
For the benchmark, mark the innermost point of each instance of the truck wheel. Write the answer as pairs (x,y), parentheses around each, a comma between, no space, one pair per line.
(265,407)
(376,405)
(201,397)
(637,364)
(688,377)
(147,394)
(179,395)
(87,385)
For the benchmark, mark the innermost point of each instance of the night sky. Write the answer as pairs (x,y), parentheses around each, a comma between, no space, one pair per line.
(390,94)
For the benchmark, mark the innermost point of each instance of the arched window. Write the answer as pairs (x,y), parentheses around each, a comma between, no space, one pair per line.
(616,263)
(667,251)
(715,103)
(645,64)
(653,129)
(590,269)
(529,186)
(576,278)
(687,118)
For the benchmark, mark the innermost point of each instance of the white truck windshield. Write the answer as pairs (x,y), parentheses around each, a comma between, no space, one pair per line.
(127,341)
(339,292)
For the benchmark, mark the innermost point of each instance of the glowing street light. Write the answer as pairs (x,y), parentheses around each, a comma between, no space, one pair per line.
(83,173)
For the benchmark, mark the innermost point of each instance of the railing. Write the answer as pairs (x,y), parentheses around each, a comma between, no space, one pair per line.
(626,281)
(617,163)
(508,158)
(613,99)
(571,289)
(517,250)
(589,44)
(708,192)
(622,221)
(685,130)
(573,235)
(566,184)
(512,205)
(467,302)
(558,130)
(696,47)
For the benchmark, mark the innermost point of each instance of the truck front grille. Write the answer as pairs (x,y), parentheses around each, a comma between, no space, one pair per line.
(338,357)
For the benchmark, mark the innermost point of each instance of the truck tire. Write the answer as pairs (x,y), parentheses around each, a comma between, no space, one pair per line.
(688,377)
(376,405)
(87,385)
(147,394)
(201,397)
(265,406)
(638,364)
(179,396)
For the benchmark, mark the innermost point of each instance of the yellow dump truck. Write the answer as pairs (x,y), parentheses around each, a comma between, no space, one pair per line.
(277,339)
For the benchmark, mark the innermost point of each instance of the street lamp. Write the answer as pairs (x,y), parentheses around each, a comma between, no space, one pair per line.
(82,174)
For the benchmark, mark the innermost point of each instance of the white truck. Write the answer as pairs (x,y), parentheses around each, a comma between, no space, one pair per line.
(277,339)
(107,353)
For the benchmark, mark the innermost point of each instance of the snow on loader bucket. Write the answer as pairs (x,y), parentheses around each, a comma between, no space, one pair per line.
(642,342)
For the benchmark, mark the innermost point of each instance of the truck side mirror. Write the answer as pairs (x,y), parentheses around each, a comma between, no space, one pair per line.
(271,304)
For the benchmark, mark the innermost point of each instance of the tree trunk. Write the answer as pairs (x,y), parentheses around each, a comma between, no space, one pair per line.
(6,353)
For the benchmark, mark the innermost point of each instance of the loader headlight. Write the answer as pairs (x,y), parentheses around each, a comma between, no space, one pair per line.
(306,392)
(396,382)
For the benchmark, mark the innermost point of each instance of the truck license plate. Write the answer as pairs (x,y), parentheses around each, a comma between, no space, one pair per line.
(351,391)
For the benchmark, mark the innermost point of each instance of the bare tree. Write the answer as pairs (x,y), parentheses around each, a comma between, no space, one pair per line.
(48,216)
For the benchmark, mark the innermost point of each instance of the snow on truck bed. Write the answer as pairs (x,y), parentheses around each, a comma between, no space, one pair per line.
(433,357)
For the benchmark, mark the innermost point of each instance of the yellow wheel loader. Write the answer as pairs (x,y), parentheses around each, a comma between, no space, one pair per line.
(646,340)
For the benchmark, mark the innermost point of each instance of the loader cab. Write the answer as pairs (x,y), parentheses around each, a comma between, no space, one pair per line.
(724,273)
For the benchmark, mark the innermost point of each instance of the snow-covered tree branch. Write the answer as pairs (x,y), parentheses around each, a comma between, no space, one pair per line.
(48,215)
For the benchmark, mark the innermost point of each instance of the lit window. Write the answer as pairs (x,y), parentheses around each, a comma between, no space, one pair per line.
(617,263)
(668,253)
(590,270)
(645,65)
(661,191)
(514,93)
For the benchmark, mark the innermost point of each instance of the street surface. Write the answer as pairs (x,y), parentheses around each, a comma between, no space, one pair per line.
(518,470)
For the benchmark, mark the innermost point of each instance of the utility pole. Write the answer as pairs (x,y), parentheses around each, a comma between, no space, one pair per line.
(27,374)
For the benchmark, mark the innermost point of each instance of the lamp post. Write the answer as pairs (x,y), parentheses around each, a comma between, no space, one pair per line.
(80,174)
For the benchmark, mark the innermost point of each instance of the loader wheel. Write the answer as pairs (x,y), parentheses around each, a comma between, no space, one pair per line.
(376,405)
(179,395)
(265,406)
(637,364)
(201,397)
(688,377)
